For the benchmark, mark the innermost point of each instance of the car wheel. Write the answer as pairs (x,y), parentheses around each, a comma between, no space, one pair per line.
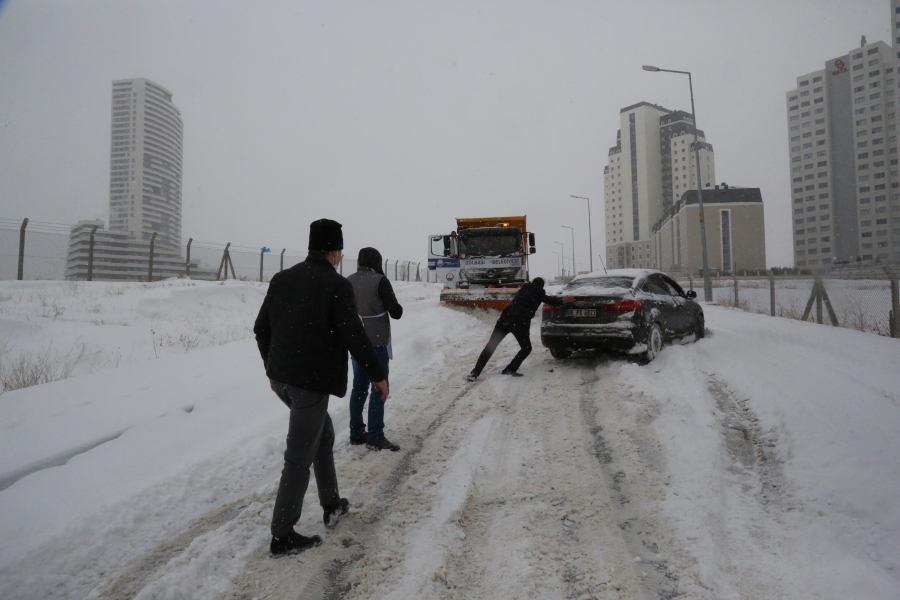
(700,327)
(654,343)
(560,353)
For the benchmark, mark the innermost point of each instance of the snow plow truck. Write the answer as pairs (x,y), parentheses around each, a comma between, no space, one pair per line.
(483,263)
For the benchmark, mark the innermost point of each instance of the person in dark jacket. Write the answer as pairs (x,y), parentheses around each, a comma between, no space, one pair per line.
(307,323)
(516,319)
(377,304)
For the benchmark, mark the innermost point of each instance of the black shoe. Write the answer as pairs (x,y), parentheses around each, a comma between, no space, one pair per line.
(513,373)
(472,376)
(293,543)
(357,441)
(383,444)
(333,513)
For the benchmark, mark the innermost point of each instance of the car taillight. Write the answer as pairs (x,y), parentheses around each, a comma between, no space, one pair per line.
(550,308)
(629,305)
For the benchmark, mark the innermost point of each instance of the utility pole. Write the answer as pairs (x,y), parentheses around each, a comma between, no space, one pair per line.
(590,233)
(707,282)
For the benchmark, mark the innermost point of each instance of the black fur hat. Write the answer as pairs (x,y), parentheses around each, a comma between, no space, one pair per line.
(538,281)
(325,235)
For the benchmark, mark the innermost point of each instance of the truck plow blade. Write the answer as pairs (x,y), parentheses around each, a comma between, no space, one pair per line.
(495,298)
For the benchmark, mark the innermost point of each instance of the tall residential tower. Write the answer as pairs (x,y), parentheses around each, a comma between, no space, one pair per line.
(845,185)
(651,166)
(145,162)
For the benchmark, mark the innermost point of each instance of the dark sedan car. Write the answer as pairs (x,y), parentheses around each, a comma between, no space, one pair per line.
(625,310)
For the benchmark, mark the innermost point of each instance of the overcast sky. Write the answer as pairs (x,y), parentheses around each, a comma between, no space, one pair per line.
(396,117)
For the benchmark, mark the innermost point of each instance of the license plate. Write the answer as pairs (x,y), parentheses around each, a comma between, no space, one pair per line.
(581,312)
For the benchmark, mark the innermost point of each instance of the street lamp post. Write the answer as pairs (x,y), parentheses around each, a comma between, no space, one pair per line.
(558,267)
(590,233)
(574,271)
(707,283)
(562,250)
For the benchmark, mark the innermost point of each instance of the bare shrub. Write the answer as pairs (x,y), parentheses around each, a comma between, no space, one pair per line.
(189,342)
(28,368)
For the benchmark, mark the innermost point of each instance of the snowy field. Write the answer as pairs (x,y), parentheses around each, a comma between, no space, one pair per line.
(761,462)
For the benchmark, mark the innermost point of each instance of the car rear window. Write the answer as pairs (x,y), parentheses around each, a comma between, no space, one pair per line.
(599,285)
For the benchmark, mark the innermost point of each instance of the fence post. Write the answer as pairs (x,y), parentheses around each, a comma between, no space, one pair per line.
(341,267)
(819,301)
(737,300)
(418,277)
(90,276)
(262,253)
(396,262)
(895,306)
(150,266)
(187,261)
(22,249)
(385,268)
(223,263)
(772,295)
(282,258)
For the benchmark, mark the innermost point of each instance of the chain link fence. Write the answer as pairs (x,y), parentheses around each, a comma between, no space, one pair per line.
(53,251)
(870,303)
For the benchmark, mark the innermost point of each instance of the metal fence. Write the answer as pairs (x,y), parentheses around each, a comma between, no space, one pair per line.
(53,251)
(869,304)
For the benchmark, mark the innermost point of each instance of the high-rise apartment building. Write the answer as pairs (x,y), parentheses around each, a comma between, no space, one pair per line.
(144,193)
(145,162)
(651,166)
(845,185)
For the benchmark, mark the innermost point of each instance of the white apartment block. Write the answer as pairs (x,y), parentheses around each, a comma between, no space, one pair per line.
(845,185)
(145,162)
(650,168)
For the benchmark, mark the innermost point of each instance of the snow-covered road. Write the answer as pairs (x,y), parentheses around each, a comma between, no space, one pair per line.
(758,463)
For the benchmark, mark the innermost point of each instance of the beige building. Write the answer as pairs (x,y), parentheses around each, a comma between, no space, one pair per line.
(649,168)
(735,233)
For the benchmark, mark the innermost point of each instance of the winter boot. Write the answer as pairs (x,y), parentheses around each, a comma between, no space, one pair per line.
(333,512)
(513,373)
(472,376)
(383,444)
(357,441)
(292,543)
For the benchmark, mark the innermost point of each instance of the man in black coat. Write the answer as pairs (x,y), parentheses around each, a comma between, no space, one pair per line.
(306,325)
(516,319)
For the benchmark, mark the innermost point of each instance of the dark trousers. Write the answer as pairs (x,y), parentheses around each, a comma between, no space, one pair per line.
(361,386)
(520,332)
(310,441)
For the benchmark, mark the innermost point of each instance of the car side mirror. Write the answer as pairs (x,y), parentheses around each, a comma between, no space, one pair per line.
(446,245)
(531,250)
(691,294)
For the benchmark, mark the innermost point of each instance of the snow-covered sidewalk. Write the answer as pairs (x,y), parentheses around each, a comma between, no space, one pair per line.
(760,462)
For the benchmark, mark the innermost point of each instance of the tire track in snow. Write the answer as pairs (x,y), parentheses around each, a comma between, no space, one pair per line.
(638,525)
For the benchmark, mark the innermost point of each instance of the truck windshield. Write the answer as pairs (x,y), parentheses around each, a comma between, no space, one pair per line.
(490,241)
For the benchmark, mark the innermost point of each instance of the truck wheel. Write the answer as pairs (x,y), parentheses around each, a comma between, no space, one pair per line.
(560,353)
(654,343)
